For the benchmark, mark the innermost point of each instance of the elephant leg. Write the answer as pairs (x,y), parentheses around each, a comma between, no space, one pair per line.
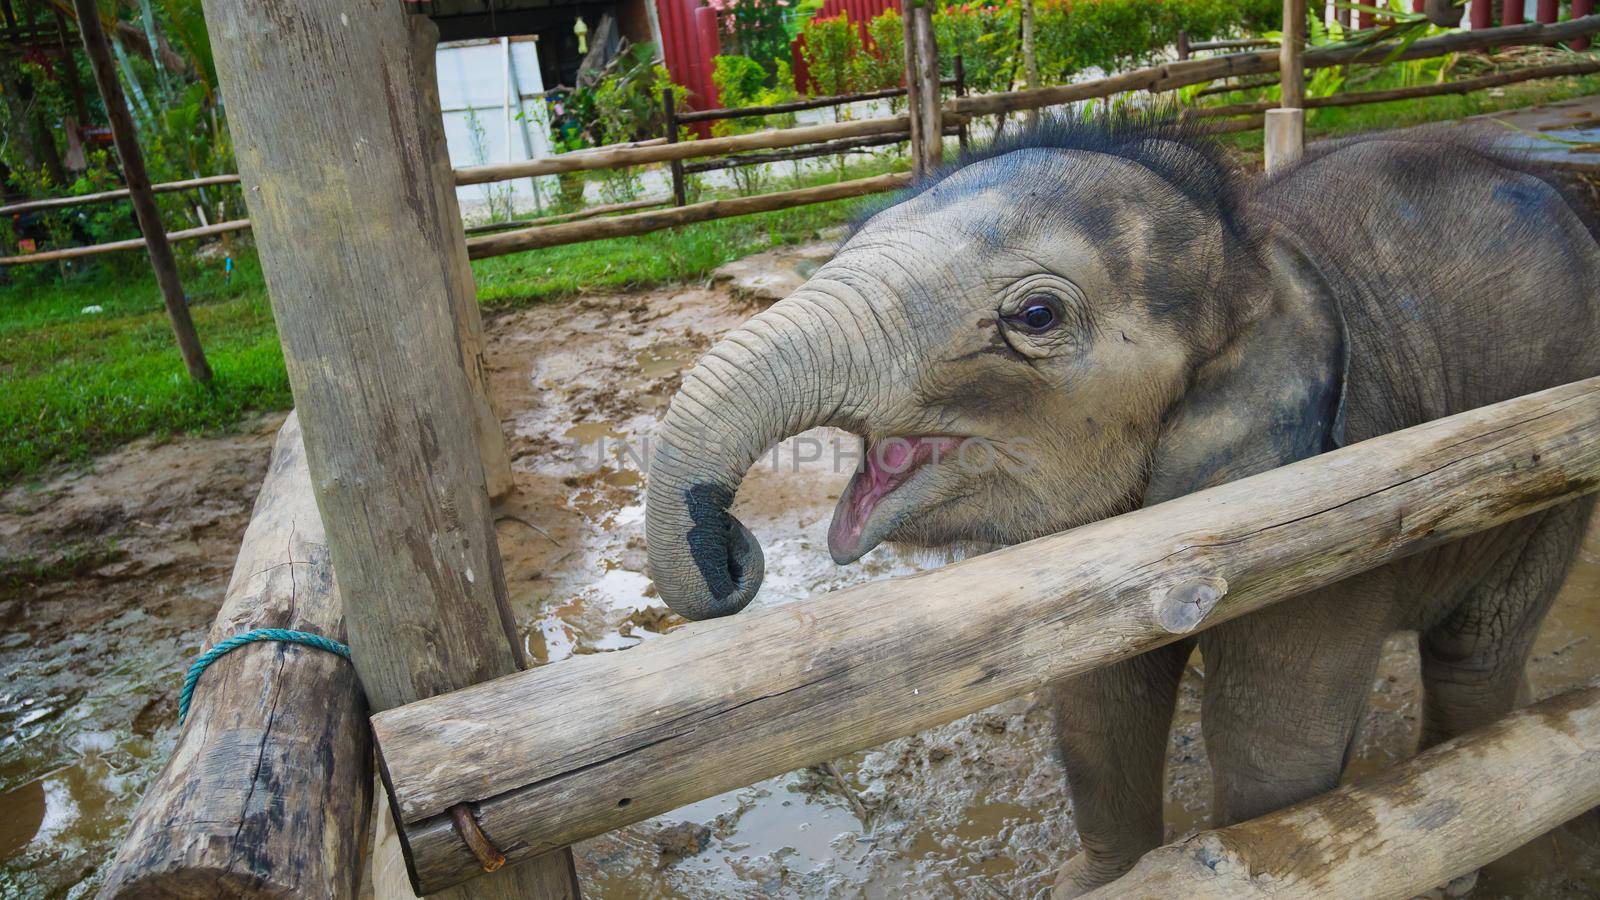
(1473,661)
(1112,726)
(1285,690)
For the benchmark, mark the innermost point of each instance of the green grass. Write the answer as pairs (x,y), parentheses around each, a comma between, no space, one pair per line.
(78,384)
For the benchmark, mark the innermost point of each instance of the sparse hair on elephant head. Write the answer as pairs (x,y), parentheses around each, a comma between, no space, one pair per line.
(1087,302)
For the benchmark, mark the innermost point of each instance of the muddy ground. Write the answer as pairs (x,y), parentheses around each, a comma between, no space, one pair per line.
(113,574)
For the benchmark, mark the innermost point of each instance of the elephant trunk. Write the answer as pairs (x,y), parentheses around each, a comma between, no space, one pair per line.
(787,370)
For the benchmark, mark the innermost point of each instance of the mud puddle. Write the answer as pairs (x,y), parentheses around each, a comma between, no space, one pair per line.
(115,574)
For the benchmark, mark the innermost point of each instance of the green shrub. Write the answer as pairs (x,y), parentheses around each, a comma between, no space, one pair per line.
(833,55)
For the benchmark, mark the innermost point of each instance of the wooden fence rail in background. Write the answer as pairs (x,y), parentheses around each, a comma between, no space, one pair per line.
(168,187)
(829,138)
(188,234)
(645,222)
(1172,76)
(1356,98)
(562,753)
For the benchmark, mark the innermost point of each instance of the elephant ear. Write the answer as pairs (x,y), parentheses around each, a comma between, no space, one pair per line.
(1271,397)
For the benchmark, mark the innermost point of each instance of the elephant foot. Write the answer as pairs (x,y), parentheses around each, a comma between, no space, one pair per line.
(1081,874)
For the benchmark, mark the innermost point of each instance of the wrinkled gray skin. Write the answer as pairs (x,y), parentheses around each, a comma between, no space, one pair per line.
(1380,284)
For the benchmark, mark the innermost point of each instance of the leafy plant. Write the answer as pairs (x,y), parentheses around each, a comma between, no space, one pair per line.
(884,65)
(833,55)
(741,81)
(756,26)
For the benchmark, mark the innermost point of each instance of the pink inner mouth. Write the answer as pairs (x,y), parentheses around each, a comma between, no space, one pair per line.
(889,464)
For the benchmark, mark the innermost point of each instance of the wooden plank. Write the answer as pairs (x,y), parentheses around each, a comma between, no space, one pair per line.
(188,234)
(268,790)
(166,187)
(1399,834)
(144,202)
(332,139)
(602,210)
(771,109)
(1186,72)
(770,139)
(828,148)
(1357,98)
(572,750)
(645,222)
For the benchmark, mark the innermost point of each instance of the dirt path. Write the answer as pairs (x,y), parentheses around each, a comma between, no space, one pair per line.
(128,561)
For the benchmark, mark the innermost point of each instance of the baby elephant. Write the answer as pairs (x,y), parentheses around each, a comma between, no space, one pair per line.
(1118,318)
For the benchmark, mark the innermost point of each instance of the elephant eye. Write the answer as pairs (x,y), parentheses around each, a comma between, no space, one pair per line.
(1039,312)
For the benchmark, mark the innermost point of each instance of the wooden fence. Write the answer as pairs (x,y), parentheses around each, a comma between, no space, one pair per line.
(484,764)
(812,141)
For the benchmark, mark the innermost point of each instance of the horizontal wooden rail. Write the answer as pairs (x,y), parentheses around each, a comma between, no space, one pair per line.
(1357,98)
(189,234)
(268,791)
(558,754)
(1186,72)
(1403,832)
(1233,44)
(827,148)
(27,206)
(645,222)
(740,112)
(770,139)
(604,209)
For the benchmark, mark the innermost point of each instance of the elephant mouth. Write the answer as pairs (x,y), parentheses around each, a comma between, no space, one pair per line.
(873,504)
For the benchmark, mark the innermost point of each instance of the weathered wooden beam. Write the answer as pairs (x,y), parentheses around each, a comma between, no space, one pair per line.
(604,209)
(1193,71)
(1358,98)
(929,105)
(1403,832)
(909,53)
(144,202)
(333,140)
(190,184)
(188,234)
(655,220)
(571,750)
(268,790)
(771,139)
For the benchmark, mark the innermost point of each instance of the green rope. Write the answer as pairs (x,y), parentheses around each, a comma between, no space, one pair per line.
(249,637)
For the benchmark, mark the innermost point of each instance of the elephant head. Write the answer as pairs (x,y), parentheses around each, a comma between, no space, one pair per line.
(1060,331)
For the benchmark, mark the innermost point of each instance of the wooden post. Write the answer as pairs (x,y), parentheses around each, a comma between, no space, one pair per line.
(138,181)
(268,791)
(1183,44)
(928,100)
(962,136)
(1511,12)
(567,751)
(1547,11)
(1432,818)
(334,137)
(669,105)
(1030,59)
(453,253)
(1284,138)
(913,90)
